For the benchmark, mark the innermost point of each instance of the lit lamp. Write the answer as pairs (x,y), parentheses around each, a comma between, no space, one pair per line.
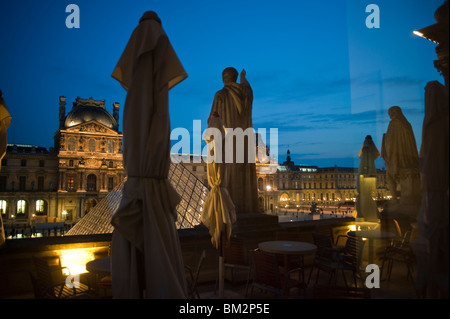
(64,214)
(438,33)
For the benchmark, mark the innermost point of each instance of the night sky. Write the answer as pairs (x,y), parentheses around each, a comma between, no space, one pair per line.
(318,73)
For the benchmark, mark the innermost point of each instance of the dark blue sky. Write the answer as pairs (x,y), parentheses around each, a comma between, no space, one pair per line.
(318,73)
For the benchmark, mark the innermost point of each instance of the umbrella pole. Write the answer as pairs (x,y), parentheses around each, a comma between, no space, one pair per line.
(221,267)
(140,263)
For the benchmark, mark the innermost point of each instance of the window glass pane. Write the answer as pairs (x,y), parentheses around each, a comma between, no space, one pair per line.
(91,146)
(110,146)
(21,206)
(71,145)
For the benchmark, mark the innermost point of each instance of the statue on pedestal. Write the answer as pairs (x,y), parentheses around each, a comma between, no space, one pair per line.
(233,104)
(366,207)
(401,157)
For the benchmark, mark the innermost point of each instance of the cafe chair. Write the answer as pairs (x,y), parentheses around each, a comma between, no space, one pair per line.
(327,230)
(192,279)
(325,253)
(49,282)
(399,251)
(332,261)
(267,276)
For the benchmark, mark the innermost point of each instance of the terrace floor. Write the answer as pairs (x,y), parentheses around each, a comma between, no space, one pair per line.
(398,287)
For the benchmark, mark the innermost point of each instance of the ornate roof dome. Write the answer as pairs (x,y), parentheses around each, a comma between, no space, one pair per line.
(91,110)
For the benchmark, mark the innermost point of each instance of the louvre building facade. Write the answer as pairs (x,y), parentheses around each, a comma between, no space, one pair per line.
(66,181)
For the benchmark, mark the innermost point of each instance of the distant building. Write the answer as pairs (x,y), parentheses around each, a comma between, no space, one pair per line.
(65,182)
(300,185)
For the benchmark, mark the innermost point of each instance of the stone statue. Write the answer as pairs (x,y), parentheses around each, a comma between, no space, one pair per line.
(401,157)
(5,121)
(431,244)
(234,105)
(366,207)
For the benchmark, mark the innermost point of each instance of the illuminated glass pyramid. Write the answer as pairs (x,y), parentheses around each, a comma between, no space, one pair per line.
(192,191)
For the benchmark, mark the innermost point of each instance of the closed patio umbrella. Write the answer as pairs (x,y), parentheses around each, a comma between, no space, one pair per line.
(218,211)
(146,254)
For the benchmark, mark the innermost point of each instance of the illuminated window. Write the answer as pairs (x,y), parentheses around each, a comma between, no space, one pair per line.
(40,207)
(260,184)
(3,207)
(21,207)
(70,183)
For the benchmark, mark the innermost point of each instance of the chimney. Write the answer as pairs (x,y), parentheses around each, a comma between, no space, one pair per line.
(62,111)
(116,111)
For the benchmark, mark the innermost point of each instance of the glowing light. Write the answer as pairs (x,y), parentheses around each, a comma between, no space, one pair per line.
(268,187)
(420,34)
(75,259)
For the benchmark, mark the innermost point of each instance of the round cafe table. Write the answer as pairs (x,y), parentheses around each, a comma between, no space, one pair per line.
(287,248)
(100,266)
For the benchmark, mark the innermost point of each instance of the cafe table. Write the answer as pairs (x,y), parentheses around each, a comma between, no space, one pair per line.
(100,269)
(100,266)
(287,248)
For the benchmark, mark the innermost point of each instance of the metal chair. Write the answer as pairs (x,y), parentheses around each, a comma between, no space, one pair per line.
(193,277)
(332,260)
(400,251)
